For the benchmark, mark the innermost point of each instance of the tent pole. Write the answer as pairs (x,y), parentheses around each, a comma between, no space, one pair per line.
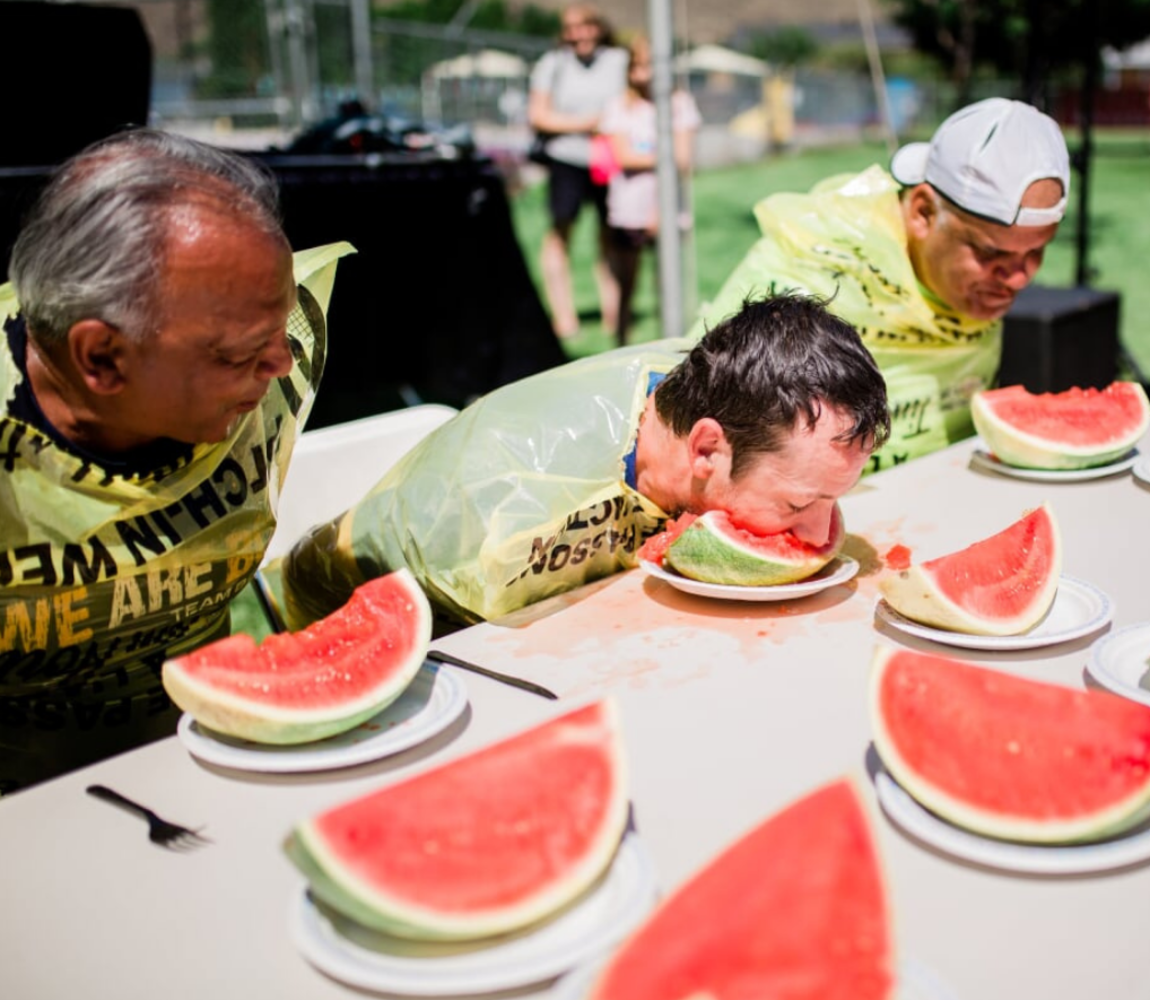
(878,78)
(670,250)
(361,42)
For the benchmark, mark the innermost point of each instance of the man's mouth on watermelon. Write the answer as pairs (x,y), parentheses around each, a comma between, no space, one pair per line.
(793,489)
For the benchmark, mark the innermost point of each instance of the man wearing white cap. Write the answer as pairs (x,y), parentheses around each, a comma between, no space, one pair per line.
(924,260)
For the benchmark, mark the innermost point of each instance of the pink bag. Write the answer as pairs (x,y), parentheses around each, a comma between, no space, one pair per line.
(603,164)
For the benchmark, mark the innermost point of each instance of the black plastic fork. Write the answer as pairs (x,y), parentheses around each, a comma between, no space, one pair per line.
(160,831)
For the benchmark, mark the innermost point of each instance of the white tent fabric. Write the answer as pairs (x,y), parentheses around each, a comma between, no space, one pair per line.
(1137,57)
(717,59)
(486,63)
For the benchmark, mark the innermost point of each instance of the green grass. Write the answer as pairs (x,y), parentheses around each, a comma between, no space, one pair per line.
(725,229)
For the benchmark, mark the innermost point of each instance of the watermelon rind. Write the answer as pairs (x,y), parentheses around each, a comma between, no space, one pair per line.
(712,550)
(334,660)
(334,879)
(796,907)
(998,757)
(1030,448)
(915,592)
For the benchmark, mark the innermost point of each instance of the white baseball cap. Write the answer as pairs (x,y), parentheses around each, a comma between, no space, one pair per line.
(984,157)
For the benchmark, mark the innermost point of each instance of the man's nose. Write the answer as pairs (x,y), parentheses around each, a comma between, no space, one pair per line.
(1016,275)
(814,524)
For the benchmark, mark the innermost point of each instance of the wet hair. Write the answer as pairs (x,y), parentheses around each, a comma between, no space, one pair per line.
(776,362)
(94,244)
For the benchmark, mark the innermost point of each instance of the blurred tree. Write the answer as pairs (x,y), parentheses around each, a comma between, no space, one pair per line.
(786,46)
(407,56)
(237,47)
(490,15)
(1029,39)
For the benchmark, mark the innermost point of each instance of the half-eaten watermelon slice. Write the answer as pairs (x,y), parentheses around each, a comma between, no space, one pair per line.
(712,548)
(1002,585)
(1009,757)
(481,845)
(796,908)
(1076,429)
(308,685)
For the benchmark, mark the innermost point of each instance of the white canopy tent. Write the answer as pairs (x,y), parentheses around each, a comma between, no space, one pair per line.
(490,63)
(1137,57)
(485,72)
(718,59)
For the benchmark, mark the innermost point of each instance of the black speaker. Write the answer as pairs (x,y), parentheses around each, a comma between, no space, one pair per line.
(1058,338)
(75,73)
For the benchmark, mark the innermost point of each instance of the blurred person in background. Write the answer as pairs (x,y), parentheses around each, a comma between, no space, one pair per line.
(569,87)
(924,260)
(629,124)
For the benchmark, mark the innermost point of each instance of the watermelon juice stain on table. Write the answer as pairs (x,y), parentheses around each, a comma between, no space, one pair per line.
(630,630)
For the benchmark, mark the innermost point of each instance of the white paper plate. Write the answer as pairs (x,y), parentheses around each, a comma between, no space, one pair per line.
(837,571)
(915,982)
(1141,468)
(1034,859)
(985,460)
(433,700)
(1079,608)
(1120,661)
(581,933)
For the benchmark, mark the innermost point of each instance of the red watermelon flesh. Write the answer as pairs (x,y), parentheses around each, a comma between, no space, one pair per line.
(796,908)
(1010,757)
(303,686)
(1074,429)
(655,548)
(1001,585)
(481,845)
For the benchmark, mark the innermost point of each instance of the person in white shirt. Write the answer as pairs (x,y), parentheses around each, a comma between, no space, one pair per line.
(569,87)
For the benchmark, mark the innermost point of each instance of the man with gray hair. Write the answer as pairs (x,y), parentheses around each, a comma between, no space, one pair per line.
(924,260)
(158,361)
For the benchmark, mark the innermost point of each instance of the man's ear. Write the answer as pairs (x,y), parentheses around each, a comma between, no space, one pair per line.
(98,350)
(920,211)
(707,447)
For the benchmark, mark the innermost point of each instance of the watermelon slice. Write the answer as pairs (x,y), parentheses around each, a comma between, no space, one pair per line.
(479,846)
(1009,757)
(1076,429)
(1002,585)
(308,685)
(795,909)
(715,550)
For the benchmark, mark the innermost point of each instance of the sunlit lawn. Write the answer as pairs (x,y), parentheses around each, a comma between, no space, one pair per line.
(1119,233)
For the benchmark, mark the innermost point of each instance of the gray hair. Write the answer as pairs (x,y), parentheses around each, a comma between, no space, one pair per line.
(94,244)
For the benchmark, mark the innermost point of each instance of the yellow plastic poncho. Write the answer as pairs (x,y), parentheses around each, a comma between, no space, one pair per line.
(102,576)
(846,239)
(520,496)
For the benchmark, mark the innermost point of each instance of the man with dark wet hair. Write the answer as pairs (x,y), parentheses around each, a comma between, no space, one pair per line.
(554,481)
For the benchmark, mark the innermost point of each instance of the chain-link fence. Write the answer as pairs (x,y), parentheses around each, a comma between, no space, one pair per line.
(290,63)
(254,66)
